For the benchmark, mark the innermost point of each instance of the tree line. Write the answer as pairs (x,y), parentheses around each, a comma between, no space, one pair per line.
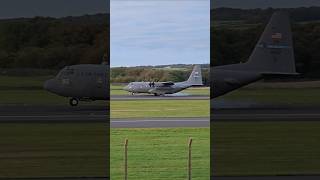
(152,74)
(52,43)
(258,15)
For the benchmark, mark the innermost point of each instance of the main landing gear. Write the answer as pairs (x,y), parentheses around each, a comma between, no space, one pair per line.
(156,94)
(73,101)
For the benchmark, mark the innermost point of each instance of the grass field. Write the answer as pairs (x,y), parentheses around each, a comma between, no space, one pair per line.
(36,97)
(269,148)
(18,82)
(159,108)
(245,148)
(29,91)
(30,97)
(298,96)
(160,153)
(53,150)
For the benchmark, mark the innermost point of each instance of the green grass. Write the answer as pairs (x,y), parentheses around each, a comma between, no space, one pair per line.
(29,91)
(197,91)
(36,97)
(18,82)
(53,150)
(160,153)
(30,97)
(117,90)
(160,108)
(299,96)
(266,148)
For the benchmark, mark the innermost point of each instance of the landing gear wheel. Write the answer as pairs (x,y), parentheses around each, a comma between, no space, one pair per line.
(155,94)
(73,102)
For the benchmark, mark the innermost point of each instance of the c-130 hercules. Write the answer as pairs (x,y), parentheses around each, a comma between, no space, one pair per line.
(273,55)
(162,88)
(83,82)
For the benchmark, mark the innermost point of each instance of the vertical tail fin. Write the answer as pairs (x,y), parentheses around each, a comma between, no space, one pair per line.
(195,78)
(274,52)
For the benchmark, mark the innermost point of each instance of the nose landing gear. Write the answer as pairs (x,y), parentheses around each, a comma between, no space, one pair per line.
(73,101)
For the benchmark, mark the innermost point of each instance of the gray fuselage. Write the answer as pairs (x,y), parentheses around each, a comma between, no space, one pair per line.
(85,81)
(224,81)
(157,88)
(162,88)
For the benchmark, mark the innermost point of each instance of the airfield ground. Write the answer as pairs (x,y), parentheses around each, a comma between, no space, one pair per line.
(267,143)
(283,93)
(159,108)
(265,148)
(160,153)
(240,148)
(59,149)
(31,150)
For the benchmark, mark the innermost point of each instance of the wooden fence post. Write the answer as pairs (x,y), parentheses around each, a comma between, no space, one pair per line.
(189,159)
(126,159)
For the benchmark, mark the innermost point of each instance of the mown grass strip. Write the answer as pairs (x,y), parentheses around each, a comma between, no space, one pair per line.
(265,148)
(160,153)
(159,108)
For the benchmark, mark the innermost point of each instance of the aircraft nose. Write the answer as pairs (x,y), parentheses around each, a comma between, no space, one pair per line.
(127,88)
(48,85)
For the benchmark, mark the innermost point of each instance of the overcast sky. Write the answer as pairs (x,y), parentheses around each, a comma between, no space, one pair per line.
(248,4)
(158,32)
(53,8)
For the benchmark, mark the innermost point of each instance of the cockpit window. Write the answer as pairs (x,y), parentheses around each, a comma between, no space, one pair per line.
(66,72)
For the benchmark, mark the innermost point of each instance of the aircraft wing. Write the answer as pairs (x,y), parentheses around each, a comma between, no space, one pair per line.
(167,83)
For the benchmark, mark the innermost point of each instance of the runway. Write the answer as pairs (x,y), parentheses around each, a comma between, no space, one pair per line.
(57,178)
(53,113)
(160,123)
(266,114)
(89,114)
(96,113)
(267,178)
(151,97)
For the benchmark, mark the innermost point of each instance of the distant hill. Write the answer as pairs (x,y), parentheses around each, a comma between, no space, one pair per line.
(88,18)
(260,15)
(174,66)
(251,4)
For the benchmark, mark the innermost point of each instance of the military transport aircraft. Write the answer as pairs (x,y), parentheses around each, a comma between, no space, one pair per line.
(83,82)
(273,55)
(162,88)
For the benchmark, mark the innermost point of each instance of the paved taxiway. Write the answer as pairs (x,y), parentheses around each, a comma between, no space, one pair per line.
(151,97)
(56,113)
(160,123)
(268,178)
(266,114)
(57,178)
(94,114)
